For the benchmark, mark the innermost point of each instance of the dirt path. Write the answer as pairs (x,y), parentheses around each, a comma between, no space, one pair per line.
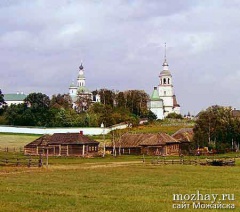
(15,170)
(95,165)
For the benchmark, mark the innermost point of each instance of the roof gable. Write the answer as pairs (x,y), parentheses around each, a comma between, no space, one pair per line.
(71,138)
(137,140)
(14,97)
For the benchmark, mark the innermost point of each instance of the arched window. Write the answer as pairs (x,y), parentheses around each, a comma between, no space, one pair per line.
(164,81)
(168,81)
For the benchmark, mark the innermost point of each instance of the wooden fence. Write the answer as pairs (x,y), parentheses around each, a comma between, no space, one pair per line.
(23,162)
(11,149)
(196,161)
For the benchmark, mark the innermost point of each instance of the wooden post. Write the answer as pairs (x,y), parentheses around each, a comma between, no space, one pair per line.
(37,150)
(129,151)
(47,159)
(67,150)
(60,149)
(83,150)
(18,162)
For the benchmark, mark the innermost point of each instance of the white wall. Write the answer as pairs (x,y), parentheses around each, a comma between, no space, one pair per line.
(86,131)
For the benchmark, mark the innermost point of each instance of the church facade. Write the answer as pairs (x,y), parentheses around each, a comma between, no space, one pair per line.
(163,101)
(81,96)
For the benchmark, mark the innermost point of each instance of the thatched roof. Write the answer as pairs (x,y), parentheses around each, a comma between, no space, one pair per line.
(184,135)
(138,140)
(62,138)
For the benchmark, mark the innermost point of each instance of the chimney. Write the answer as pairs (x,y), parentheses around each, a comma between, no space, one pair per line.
(81,132)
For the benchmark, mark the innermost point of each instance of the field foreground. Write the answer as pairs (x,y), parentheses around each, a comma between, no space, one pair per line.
(114,186)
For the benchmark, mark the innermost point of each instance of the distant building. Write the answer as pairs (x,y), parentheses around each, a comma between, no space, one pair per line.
(79,91)
(14,98)
(63,144)
(163,100)
(146,143)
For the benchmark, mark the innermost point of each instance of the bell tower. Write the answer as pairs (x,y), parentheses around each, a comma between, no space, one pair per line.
(81,78)
(165,87)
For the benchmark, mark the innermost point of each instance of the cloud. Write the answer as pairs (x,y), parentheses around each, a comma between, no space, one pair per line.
(121,44)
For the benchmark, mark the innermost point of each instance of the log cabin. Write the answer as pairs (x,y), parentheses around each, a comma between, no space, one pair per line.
(150,144)
(63,144)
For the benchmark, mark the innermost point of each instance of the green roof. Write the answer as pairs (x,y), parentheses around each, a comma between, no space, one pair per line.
(14,97)
(155,95)
(83,89)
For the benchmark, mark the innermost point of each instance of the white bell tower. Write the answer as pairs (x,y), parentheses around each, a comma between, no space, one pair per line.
(165,89)
(81,78)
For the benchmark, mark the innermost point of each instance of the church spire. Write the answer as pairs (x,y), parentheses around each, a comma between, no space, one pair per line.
(165,64)
(81,66)
(165,56)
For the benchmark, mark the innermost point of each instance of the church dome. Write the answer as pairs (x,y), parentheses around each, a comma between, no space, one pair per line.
(165,72)
(72,85)
(83,89)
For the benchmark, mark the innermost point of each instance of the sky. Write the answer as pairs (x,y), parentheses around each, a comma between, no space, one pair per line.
(121,45)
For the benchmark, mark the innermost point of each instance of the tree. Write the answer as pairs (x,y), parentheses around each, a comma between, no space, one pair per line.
(83,103)
(216,128)
(136,101)
(61,101)
(120,100)
(174,116)
(107,97)
(3,104)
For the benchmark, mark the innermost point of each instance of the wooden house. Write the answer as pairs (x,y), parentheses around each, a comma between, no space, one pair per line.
(63,144)
(150,144)
(185,136)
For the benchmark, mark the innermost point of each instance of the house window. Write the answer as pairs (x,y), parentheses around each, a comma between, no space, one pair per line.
(165,93)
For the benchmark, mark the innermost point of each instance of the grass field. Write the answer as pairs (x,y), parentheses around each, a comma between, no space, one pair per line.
(109,184)
(114,186)
(13,140)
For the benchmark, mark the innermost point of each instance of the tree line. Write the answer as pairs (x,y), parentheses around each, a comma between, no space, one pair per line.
(38,109)
(217,128)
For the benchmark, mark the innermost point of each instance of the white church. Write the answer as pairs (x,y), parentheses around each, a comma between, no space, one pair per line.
(163,100)
(79,90)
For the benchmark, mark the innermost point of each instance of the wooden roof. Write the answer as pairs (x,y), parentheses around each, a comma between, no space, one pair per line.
(184,135)
(71,138)
(41,141)
(138,140)
(62,138)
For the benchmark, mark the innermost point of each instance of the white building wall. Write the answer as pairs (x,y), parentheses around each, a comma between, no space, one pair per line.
(14,102)
(42,131)
(158,112)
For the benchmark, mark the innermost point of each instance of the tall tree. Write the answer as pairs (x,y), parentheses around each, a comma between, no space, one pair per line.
(39,105)
(2,102)
(216,127)
(107,97)
(61,101)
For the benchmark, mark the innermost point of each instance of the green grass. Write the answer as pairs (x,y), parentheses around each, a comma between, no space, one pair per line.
(17,141)
(108,184)
(92,187)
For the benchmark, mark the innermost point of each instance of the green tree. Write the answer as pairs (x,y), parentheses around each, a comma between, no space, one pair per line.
(174,116)
(61,101)
(2,103)
(107,97)
(216,127)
